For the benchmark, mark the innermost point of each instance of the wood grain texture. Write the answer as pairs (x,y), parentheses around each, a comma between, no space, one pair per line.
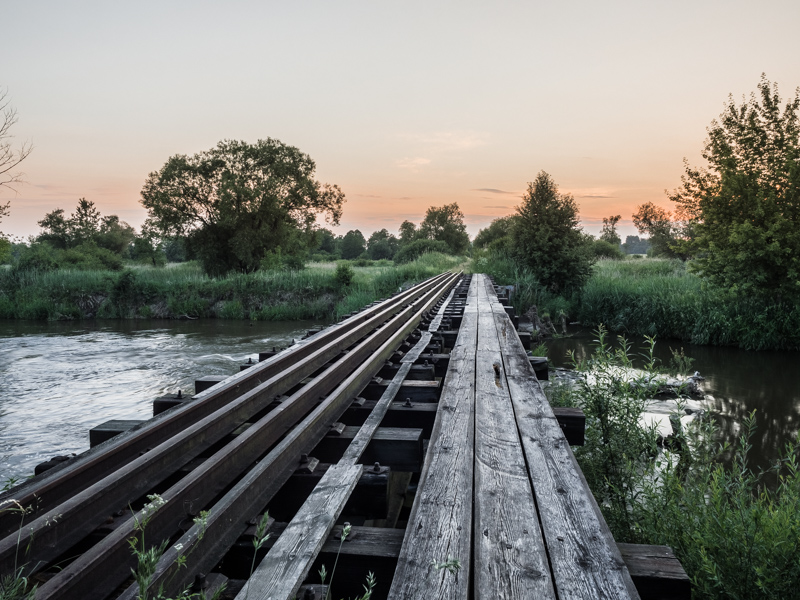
(286,565)
(584,558)
(440,524)
(510,560)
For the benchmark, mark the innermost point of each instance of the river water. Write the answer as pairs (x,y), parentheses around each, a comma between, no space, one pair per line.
(736,382)
(58,380)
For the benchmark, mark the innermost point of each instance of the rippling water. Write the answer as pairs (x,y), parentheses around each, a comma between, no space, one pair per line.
(737,382)
(59,380)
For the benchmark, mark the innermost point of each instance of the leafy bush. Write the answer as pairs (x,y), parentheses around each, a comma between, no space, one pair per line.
(604,249)
(417,248)
(344,274)
(735,535)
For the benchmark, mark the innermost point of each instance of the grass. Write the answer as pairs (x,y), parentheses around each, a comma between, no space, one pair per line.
(186,292)
(658,297)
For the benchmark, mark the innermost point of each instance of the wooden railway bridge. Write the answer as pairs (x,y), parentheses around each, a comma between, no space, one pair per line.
(419,421)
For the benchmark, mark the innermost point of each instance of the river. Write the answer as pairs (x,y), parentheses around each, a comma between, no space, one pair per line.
(58,380)
(736,382)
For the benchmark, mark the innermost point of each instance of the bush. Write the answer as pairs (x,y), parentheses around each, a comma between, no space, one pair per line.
(735,536)
(417,248)
(344,274)
(604,249)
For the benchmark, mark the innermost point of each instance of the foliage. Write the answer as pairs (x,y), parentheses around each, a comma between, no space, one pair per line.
(185,291)
(664,298)
(417,248)
(85,225)
(736,536)
(445,224)
(408,232)
(237,201)
(603,249)
(546,237)
(634,245)
(352,245)
(745,206)
(662,227)
(344,274)
(382,245)
(609,233)
(496,236)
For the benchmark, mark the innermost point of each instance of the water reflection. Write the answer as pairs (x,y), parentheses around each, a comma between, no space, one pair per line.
(737,381)
(58,380)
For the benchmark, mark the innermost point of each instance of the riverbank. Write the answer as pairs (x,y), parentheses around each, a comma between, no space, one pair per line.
(660,297)
(184,292)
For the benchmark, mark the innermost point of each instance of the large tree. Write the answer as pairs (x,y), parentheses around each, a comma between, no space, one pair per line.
(382,244)
(546,237)
(445,224)
(665,231)
(238,202)
(744,207)
(353,244)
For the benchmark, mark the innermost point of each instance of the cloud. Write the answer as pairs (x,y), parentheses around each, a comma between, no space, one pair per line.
(497,207)
(368,196)
(491,191)
(447,141)
(596,196)
(413,163)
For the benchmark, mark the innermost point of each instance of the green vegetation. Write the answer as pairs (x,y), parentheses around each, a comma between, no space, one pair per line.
(238,201)
(321,291)
(736,536)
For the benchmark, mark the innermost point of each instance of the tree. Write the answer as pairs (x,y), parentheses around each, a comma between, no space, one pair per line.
(381,244)
(445,224)
(239,202)
(10,158)
(496,235)
(663,229)
(85,225)
(744,207)
(353,244)
(634,245)
(547,239)
(408,232)
(609,233)
(326,241)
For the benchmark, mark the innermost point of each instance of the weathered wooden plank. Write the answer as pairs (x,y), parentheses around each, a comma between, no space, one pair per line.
(584,559)
(286,565)
(510,557)
(655,571)
(440,525)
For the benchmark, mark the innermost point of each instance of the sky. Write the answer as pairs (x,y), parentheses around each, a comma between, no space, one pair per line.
(404,105)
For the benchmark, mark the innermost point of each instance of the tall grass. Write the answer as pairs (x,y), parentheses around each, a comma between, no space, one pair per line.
(658,297)
(185,291)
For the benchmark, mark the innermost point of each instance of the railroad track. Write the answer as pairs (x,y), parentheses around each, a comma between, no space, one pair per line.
(229,450)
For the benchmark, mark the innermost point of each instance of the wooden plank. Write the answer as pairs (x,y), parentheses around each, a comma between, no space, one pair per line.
(510,560)
(655,571)
(440,525)
(584,558)
(286,565)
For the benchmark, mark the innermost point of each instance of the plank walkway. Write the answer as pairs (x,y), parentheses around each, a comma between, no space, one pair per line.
(501,492)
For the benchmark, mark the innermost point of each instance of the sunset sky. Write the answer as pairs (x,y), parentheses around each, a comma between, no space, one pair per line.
(403,104)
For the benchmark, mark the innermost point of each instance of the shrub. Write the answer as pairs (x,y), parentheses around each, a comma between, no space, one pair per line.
(604,249)
(344,274)
(417,248)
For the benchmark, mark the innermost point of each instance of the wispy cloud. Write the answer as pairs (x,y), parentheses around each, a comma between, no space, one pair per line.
(491,191)
(596,196)
(447,141)
(413,164)
(367,196)
(497,207)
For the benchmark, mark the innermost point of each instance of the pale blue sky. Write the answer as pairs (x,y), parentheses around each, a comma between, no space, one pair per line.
(403,104)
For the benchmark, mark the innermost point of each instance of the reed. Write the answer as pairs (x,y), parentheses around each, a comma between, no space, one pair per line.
(185,291)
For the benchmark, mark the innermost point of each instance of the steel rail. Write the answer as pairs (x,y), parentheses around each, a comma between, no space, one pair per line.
(58,484)
(49,535)
(229,517)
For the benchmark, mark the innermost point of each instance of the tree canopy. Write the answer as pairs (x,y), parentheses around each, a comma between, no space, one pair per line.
(744,208)
(664,230)
(353,244)
(445,224)
(382,244)
(238,202)
(547,239)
